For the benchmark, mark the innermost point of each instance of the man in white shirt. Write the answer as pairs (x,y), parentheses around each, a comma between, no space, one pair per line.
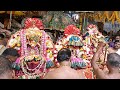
(116,48)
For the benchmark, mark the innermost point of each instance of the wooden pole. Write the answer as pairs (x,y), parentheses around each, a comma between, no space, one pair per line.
(10,19)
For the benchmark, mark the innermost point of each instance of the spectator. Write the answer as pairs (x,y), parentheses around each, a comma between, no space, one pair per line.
(11,54)
(6,71)
(116,46)
(117,37)
(111,43)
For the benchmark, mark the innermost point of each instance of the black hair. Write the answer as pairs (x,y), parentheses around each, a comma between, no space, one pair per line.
(64,55)
(4,42)
(117,41)
(5,65)
(117,35)
(11,52)
(114,59)
(104,33)
(10,30)
(2,36)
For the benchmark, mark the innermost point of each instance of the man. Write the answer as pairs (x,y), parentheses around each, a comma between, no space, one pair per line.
(3,43)
(116,48)
(112,63)
(6,71)
(117,37)
(64,71)
(11,54)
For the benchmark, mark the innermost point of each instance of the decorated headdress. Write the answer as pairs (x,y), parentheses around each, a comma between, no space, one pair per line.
(92,28)
(33,22)
(71,29)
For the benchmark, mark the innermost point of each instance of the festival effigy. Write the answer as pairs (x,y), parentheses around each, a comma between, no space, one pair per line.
(35,48)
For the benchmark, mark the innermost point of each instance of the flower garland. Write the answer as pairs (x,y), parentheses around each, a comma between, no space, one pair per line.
(49,63)
(32,75)
(43,44)
(22,42)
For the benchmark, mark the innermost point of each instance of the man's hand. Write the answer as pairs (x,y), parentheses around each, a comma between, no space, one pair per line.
(101,44)
(100,47)
(97,68)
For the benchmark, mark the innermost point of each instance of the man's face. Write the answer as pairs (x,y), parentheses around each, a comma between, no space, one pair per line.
(117,38)
(117,45)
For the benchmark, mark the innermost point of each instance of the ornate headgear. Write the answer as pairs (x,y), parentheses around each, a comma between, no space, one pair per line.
(75,40)
(92,28)
(71,29)
(33,22)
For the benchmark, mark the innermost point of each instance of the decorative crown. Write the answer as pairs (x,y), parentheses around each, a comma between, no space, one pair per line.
(71,29)
(33,22)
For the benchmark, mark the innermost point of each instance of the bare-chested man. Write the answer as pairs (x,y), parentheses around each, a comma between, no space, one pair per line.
(64,71)
(113,65)
(6,71)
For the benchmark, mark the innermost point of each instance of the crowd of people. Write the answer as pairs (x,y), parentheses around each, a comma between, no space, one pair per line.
(110,69)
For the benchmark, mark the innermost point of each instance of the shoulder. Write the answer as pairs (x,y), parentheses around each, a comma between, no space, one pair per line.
(49,75)
(81,74)
(52,74)
(110,50)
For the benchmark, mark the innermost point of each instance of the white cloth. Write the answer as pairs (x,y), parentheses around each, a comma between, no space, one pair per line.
(118,52)
(2,49)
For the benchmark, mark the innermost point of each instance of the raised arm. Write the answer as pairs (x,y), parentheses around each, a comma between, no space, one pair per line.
(99,73)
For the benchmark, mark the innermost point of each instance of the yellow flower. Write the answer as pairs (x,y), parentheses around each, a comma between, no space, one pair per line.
(51,55)
(48,51)
(18,44)
(84,56)
(81,49)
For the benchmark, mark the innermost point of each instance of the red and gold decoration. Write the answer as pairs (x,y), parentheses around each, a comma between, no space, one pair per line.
(31,41)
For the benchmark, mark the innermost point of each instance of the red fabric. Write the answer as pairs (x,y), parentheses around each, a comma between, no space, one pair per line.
(71,29)
(30,22)
(19,52)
